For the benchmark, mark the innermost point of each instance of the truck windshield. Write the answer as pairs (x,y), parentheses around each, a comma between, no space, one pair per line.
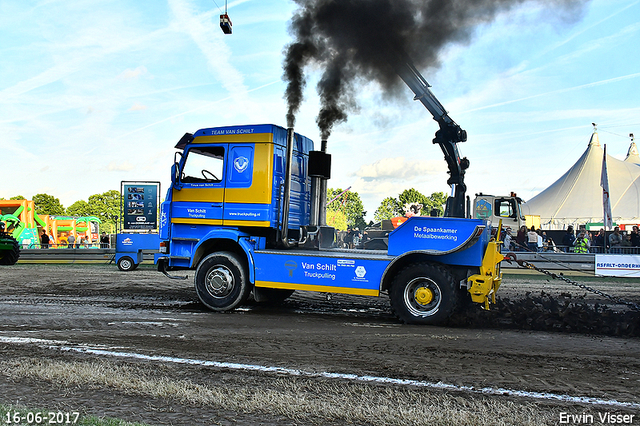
(204,164)
(507,208)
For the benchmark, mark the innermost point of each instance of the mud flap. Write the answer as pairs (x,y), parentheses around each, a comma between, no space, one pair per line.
(162,267)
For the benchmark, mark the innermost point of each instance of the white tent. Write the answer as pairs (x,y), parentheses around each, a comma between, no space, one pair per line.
(632,154)
(576,198)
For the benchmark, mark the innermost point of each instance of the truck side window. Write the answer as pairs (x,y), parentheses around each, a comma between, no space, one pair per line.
(504,208)
(204,164)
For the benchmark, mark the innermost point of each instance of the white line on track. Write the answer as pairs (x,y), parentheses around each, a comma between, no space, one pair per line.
(97,350)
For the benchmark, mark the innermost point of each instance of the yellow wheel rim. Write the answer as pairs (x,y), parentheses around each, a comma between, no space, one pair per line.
(423,296)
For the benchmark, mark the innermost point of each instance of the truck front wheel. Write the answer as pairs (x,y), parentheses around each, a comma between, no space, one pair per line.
(221,281)
(423,293)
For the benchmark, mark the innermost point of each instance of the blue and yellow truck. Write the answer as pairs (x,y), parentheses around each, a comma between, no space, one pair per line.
(245,210)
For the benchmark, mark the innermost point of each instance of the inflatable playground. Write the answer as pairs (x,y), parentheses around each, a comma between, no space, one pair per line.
(23,224)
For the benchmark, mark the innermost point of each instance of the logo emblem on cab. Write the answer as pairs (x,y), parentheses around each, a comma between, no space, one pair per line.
(241,164)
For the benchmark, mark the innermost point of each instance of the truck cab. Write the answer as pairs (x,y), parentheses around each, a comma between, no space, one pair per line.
(230,181)
(500,208)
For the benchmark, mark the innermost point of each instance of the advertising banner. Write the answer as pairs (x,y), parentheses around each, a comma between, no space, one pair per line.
(618,265)
(140,205)
(317,273)
(454,241)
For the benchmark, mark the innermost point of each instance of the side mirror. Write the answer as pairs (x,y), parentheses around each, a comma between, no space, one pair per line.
(175,171)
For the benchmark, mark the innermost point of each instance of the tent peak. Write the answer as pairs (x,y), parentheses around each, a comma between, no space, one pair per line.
(594,141)
(633,149)
(632,154)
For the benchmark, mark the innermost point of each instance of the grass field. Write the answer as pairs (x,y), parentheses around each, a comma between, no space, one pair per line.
(302,400)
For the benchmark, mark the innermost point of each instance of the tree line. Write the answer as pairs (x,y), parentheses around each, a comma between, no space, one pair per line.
(105,206)
(344,210)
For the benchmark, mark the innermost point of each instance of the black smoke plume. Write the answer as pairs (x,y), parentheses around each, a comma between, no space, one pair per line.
(363,39)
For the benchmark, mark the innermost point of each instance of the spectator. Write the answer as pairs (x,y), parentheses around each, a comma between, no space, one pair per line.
(356,237)
(71,241)
(615,240)
(589,238)
(545,241)
(568,239)
(550,245)
(521,238)
(532,239)
(581,245)
(598,241)
(365,237)
(348,239)
(540,240)
(635,237)
(506,242)
(104,240)
(44,240)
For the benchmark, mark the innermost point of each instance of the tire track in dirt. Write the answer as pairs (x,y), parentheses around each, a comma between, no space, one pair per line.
(107,352)
(344,334)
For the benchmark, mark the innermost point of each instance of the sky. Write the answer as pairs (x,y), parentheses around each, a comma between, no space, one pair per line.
(95,93)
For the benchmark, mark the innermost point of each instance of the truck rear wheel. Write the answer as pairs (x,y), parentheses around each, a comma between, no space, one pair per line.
(423,293)
(221,281)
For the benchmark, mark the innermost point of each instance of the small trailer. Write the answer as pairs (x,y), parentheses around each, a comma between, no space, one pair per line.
(131,248)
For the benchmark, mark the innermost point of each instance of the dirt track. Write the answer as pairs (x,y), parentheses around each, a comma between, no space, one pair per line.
(72,308)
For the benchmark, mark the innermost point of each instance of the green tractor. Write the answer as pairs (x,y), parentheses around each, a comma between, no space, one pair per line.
(9,248)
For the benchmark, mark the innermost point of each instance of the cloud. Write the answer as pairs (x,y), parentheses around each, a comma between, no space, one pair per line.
(137,107)
(132,74)
(48,76)
(197,108)
(556,92)
(398,168)
(125,166)
(388,177)
(586,29)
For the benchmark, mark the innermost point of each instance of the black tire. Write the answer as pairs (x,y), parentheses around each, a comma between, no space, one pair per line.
(221,281)
(126,264)
(423,293)
(11,256)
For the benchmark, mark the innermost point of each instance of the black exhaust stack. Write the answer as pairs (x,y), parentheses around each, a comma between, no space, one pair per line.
(320,171)
(284,230)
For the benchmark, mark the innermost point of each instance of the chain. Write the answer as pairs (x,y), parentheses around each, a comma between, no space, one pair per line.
(528,265)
